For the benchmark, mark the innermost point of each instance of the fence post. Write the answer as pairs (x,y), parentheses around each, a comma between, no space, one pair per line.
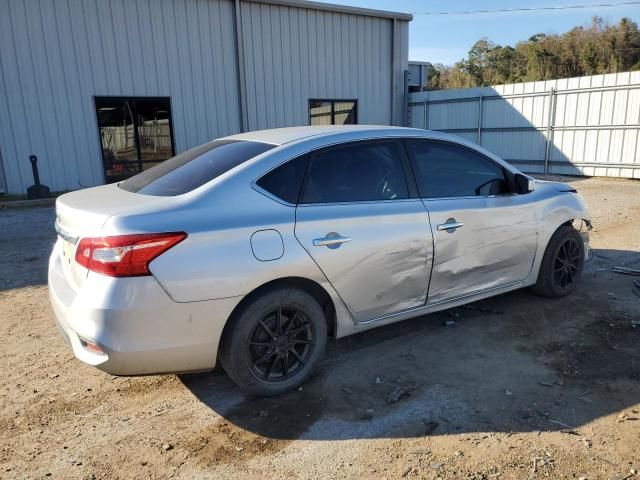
(406,110)
(480,114)
(426,114)
(551,120)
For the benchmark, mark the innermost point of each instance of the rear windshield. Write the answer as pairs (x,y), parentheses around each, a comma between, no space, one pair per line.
(193,168)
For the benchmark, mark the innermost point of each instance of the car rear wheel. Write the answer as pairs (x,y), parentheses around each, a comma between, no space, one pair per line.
(562,263)
(274,343)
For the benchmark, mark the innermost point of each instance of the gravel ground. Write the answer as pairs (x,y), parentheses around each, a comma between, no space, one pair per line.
(518,387)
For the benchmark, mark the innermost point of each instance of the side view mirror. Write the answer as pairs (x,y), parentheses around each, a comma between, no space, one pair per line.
(524,184)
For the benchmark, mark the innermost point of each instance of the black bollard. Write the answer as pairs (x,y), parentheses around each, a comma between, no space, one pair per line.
(37,190)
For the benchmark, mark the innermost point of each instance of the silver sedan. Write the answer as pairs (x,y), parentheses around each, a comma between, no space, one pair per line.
(254,249)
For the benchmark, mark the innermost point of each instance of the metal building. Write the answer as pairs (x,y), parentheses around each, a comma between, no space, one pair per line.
(101,89)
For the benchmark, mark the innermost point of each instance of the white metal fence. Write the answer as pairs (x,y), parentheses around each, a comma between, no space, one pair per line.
(576,126)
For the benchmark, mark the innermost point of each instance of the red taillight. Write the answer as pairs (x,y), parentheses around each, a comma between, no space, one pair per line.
(125,255)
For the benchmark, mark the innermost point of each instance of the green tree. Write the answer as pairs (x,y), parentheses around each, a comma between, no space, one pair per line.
(584,50)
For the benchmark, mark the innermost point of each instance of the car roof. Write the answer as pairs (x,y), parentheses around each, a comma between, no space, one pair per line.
(280,136)
(329,134)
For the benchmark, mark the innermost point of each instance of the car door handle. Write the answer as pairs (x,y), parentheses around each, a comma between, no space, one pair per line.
(450,225)
(331,240)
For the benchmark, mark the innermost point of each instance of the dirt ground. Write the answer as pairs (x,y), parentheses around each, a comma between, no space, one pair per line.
(518,387)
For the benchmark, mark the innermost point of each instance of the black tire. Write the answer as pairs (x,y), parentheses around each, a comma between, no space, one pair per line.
(562,264)
(255,347)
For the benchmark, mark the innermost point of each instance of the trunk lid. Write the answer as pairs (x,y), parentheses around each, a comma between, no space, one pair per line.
(83,214)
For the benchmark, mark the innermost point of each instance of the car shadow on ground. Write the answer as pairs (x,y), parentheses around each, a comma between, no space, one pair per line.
(512,363)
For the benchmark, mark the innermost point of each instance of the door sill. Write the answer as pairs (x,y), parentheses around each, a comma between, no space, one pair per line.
(441,305)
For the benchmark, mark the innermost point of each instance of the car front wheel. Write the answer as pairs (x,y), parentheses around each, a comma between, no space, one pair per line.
(562,263)
(274,343)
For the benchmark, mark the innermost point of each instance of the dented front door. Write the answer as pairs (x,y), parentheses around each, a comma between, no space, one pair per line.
(480,243)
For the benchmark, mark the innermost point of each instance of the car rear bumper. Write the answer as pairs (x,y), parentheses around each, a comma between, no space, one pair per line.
(138,328)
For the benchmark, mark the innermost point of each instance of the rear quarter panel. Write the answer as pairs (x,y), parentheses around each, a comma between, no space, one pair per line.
(216,260)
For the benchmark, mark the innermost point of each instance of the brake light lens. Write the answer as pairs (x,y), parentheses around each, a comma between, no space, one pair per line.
(125,255)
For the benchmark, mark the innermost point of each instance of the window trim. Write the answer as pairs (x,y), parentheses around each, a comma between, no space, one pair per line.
(333,108)
(400,150)
(508,174)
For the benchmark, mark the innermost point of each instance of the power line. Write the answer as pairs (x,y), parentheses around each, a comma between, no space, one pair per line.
(531,9)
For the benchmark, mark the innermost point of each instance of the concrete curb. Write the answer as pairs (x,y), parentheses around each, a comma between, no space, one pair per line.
(41,202)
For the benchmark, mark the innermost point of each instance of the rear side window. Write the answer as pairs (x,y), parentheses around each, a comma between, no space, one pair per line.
(448,170)
(354,173)
(193,168)
(285,181)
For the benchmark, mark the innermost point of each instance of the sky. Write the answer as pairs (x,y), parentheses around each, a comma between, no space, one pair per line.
(447,38)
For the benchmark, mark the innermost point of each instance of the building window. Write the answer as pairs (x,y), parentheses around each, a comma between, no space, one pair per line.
(135,134)
(333,112)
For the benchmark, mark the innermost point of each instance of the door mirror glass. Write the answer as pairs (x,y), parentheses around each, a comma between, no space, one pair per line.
(524,184)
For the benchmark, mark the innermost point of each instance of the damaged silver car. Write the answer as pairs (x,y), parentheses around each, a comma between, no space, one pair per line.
(253,249)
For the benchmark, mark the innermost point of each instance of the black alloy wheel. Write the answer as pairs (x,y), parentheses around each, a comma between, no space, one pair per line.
(280,344)
(562,263)
(567,263)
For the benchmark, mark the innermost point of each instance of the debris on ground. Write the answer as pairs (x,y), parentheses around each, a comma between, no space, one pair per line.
(562,424)
(474,308)
(449,323)
(429,425)
(400,392)
(421,451)
(626,270)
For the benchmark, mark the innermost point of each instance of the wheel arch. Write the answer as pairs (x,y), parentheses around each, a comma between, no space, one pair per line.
(313,288)
(562,211)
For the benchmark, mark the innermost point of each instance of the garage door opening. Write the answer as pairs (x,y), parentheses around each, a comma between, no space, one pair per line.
(135,134)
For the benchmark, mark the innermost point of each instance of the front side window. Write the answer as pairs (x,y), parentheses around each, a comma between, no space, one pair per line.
(448,170)
(358,172)
(193,168)
(333,112)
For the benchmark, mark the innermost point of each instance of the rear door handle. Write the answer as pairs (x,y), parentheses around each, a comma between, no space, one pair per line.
(451,225)
(331,240)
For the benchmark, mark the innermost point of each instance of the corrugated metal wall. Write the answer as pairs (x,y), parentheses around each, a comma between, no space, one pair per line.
(56,55)
(293,54)
(578,126)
